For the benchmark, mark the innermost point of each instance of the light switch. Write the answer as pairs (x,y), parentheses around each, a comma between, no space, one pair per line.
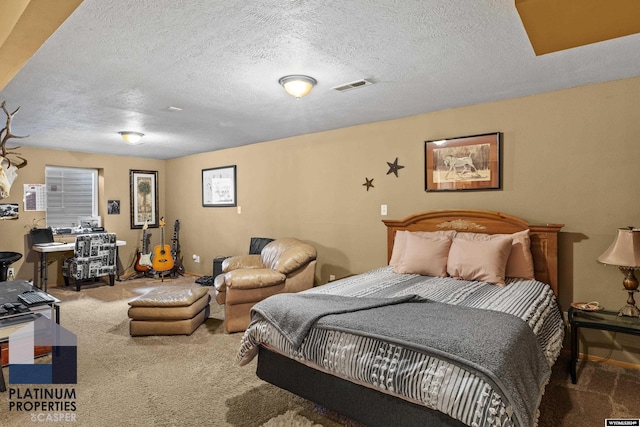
(383,210)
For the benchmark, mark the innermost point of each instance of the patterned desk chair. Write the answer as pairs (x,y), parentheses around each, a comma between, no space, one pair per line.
(95,255)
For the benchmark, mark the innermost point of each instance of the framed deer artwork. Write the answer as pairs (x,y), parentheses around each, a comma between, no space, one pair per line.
(464,163)
(143,189)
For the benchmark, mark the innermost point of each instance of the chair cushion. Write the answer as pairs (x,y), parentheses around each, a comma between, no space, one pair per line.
(287,254)
(169,312)
(241,261)
(253,278)
(168,296)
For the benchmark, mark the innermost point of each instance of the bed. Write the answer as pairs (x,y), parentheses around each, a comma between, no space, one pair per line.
(438,350)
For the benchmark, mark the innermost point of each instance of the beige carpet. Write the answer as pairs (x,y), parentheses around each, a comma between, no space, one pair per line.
(194,381)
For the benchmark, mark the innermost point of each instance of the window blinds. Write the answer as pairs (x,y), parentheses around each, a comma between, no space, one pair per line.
(71,193)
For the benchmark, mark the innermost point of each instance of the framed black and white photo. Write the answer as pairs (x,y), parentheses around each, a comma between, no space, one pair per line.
(219,187)
(113,207)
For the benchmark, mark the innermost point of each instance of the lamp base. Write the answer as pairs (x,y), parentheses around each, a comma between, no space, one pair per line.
(629,310)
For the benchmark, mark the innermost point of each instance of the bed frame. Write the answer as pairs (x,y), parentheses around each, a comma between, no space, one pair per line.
(373,407)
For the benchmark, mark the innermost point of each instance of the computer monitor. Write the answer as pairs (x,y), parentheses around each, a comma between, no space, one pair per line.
(41,236)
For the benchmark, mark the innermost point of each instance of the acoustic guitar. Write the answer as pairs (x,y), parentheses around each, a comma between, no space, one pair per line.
(162,260)
(143,258)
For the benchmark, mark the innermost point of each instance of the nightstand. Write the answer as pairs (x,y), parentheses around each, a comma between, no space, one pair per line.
(602,320)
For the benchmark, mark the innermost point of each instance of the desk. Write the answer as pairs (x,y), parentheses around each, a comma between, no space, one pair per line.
(9,292)
(44,252)
(602,320)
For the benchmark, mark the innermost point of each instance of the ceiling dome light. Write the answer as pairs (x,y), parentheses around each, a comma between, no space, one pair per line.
(131,137)
(297,85)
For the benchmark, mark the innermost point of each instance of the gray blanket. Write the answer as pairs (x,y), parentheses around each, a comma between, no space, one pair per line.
(497,346)
(293,315)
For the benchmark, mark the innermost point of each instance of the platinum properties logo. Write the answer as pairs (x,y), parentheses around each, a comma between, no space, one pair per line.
(45,404)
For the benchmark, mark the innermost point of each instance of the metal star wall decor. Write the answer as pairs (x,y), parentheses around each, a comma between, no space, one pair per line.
(394,167)
(368,183)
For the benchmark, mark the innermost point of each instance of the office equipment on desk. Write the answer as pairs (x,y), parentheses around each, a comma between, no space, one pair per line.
(32,298)
(9,325)
(7,321)
(9,309)
(14,315)
(10,292)
(43,237)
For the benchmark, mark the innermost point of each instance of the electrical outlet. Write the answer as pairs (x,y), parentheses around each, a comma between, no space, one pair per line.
(383,210)
(239,209)
(196,258)
(332,277)
(11,273)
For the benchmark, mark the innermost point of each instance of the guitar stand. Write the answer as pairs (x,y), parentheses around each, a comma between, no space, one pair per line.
(175,273)
(162,276)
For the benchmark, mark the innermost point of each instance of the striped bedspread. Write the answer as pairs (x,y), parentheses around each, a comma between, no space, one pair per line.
(406,373)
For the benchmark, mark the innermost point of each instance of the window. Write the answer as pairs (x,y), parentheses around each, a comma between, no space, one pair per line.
(71,193)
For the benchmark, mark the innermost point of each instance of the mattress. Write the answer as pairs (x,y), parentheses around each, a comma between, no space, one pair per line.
(430,381)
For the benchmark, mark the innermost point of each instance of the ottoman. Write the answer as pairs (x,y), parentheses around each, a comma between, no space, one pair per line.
(168,310)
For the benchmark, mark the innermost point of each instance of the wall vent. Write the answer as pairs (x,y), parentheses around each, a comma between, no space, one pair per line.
(353,85)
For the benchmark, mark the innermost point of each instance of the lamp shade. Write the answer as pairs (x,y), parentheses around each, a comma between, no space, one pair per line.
(297,85)
(625,250)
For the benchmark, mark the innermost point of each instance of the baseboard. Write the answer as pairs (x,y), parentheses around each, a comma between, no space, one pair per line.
(598,359)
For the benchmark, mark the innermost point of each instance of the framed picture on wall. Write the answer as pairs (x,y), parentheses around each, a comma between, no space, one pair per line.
(113,207)
(219,187)
(143,189)
(464,163)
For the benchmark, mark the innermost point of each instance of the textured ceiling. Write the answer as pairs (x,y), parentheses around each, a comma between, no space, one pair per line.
(118,65)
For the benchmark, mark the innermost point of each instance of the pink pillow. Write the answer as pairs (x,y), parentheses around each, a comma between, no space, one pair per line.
(425,255)
(481,260)
(400,239)
(520,262)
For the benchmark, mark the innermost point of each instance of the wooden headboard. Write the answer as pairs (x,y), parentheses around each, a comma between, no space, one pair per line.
(544,238)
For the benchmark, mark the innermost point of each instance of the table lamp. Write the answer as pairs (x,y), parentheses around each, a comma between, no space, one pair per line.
(624,253)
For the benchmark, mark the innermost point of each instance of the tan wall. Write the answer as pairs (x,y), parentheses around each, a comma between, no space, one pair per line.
(569,157)
(113,184)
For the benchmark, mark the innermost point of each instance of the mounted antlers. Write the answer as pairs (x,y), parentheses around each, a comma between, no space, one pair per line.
(8,172)
(5,134)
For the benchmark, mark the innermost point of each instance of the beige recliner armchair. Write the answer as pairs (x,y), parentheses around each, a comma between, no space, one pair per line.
(284,265)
